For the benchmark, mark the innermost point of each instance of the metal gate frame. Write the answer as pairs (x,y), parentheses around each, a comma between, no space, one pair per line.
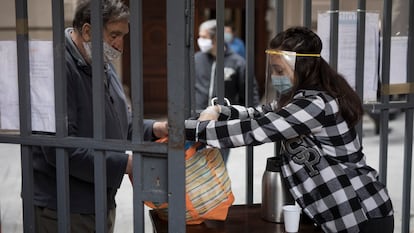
(180,45)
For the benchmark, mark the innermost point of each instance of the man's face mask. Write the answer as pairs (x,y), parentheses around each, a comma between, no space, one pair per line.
(110,53)
(204,44)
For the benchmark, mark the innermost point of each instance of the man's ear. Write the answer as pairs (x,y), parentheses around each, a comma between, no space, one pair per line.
(86,32)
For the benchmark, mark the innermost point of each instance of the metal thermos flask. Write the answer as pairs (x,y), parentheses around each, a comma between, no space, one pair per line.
(274,192)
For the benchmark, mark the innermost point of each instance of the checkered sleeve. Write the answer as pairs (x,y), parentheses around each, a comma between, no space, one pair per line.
(252,127)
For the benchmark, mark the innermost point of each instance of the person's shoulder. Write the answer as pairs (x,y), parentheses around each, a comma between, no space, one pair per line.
(235,60)
(200,55)
(309,92)
(230,53)
(237,40)
(305,98)
(314,95)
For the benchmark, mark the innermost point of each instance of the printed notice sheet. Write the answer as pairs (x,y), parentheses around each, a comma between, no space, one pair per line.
(41,86)
(347,48)
(398,59)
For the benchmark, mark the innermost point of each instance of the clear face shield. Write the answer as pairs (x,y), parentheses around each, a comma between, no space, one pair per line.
(280,72)
(280,69)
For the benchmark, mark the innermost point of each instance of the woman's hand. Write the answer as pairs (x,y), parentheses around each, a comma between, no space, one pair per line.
(211,113)
(128,169)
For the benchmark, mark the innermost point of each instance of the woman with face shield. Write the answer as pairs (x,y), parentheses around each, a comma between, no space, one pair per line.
(313,113)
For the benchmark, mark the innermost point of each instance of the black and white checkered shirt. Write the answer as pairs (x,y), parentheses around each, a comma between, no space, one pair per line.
(323,163)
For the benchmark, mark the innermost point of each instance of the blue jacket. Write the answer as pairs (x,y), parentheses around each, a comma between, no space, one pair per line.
(80,124)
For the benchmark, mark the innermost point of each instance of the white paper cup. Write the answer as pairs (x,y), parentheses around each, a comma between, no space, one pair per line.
(291,216)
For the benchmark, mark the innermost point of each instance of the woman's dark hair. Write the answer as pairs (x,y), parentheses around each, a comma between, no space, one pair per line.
(315,72)
(112,10)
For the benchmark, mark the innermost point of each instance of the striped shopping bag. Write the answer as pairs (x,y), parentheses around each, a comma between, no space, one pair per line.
(208,186)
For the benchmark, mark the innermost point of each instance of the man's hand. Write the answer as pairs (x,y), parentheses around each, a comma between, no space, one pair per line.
(210,113)
(128,169)
(160,129)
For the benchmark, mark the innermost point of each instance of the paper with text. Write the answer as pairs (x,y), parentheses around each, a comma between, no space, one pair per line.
(347,31)
(41,86)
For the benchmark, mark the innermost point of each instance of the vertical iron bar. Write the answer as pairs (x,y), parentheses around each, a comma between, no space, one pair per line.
(250,29)
(191,80)
(408,152)
(385,80)
(280,9)
(27,189)
(62,160)
(137,109)
(136,69)
(98,76)
(22,39)
(333,44)
(409,119)
(307,13)
(178,16)
(220,50)
(23,67)
(360,55)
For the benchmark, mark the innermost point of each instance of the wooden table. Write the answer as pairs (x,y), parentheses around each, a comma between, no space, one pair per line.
(240,219)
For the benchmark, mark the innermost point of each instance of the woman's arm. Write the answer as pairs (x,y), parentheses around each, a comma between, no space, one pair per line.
(302,116)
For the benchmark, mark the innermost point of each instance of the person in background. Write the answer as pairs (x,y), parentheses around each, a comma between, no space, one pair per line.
(80,124)
(205,72)
(314,117)
(235,43)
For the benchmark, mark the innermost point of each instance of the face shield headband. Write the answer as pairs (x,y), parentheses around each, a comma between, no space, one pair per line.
(280,70)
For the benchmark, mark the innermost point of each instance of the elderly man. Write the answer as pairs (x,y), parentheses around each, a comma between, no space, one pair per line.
(80,124)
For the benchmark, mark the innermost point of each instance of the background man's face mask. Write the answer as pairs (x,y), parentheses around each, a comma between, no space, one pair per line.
(205,44)
(228,37)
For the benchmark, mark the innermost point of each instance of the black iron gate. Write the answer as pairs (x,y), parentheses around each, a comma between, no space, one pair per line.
(167,160)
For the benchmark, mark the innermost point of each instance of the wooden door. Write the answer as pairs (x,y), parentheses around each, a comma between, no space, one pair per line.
(155,50)
(154,58)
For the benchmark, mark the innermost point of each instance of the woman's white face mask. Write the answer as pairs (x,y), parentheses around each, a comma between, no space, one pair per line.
(205,44)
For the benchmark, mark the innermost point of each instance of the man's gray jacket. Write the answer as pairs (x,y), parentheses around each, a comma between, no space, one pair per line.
(80,124)
(234,79)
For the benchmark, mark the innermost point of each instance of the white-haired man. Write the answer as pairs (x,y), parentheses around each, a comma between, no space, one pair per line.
(205,72)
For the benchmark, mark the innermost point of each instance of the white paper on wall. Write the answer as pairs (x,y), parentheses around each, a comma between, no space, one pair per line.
(41,86)
(398,59)
(347,29)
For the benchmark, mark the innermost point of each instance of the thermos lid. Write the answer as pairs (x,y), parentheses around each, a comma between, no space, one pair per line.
(273,164)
